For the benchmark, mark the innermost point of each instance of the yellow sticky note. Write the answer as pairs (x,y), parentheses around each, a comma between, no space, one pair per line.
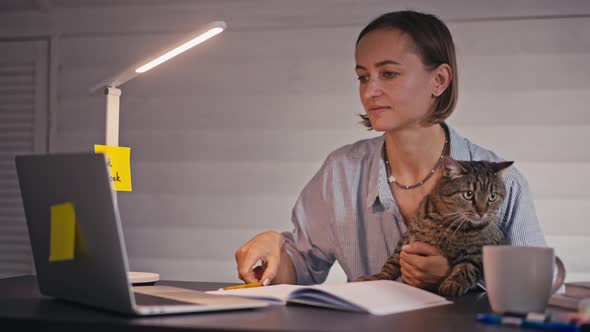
(119,158)
(62,239)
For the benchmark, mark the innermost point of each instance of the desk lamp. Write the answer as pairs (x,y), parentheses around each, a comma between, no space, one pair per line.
(111,89)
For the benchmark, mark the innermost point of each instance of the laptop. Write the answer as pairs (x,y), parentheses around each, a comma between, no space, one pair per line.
(96,274)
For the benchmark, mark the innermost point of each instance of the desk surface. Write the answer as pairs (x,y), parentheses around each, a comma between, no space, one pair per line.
(22,305)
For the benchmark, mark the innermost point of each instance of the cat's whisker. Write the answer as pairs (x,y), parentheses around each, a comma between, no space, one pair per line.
(457,219)
(453,235)
(457,216)
(451,216)
(459,227)
(450,219)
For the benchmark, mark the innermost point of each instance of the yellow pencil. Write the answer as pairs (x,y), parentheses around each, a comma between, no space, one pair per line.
(254,284)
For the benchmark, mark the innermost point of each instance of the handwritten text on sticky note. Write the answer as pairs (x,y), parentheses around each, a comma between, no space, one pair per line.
(119,158)
(62,238)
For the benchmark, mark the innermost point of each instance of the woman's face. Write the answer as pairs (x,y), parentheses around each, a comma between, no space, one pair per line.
(395,87)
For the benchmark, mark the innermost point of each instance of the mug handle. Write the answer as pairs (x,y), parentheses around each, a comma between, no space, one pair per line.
(560,275)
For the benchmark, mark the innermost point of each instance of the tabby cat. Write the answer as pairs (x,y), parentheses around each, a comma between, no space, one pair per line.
(459,217)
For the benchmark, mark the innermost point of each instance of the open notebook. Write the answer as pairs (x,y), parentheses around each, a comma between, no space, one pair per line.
(381,297)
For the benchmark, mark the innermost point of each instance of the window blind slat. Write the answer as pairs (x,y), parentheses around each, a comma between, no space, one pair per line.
(17,108)
(24,80)
(12,212)
(10,70)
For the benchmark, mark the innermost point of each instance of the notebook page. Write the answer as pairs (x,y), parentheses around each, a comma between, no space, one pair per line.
(383,297)
(273,293)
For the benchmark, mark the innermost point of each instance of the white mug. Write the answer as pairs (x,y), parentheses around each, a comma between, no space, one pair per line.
(520,279)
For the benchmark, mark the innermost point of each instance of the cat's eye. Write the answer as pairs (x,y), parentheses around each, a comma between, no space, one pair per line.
(493,197)
(468,195)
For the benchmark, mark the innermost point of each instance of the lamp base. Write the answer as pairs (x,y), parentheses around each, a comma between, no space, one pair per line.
(143,278)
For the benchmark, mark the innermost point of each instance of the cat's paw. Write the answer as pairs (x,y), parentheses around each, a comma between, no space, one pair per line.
(451,288)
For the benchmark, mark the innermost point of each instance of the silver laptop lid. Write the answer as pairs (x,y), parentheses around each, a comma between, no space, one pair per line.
(97,274)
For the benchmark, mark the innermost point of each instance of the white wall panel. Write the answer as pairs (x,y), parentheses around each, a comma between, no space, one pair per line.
(189,242)
(218,178)
(544,144)
(526,108)
(572,250)
(535,36)
(564,217)
(558,180)
(207,210)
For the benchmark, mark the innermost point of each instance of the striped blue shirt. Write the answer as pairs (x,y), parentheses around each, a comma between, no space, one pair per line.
(347,211)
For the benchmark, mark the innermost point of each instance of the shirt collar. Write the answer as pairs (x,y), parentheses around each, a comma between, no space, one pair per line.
(459,146)
(376,173)
(378,185)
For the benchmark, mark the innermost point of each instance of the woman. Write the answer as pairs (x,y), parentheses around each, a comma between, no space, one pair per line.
(354,209)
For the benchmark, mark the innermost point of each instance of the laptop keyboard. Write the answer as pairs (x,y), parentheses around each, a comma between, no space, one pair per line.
(150,300)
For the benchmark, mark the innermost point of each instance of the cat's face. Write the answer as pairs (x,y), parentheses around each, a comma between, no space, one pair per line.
(470,193)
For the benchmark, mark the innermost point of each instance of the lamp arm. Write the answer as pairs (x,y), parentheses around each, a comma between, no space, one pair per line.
(131,71)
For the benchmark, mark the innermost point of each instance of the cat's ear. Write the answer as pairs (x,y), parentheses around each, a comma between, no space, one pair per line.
(500,168)
(453,168)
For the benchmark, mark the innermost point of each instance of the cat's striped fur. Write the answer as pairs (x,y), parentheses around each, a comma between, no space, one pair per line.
(459,217)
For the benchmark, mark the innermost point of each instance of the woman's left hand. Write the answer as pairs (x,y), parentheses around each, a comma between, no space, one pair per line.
(423,266)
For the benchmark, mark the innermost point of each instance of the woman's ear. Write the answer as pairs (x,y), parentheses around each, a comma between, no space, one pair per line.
(443,75)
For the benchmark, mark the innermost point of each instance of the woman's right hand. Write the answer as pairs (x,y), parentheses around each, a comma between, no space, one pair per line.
(266,247)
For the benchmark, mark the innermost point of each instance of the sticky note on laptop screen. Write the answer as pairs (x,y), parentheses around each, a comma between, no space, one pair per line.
(62,239)
(119,161)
